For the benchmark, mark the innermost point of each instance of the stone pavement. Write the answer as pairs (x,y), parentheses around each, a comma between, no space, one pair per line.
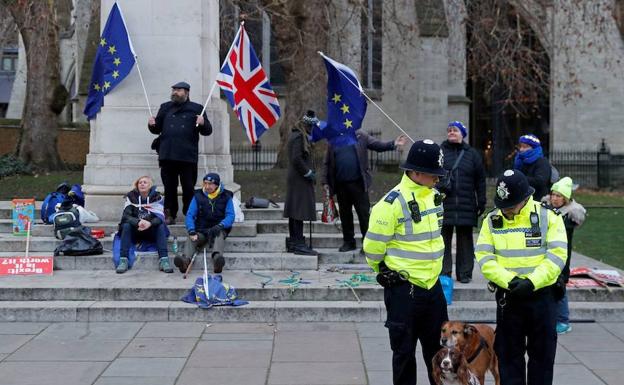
(158,353)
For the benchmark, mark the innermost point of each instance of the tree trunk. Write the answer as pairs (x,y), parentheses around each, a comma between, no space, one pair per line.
(45,95)
(300,29)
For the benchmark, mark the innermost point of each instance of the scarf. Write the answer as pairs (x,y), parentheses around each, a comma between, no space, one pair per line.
(301,127)
(528,157)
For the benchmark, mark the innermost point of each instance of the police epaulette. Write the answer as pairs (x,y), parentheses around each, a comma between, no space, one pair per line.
(392,195)
(549,207)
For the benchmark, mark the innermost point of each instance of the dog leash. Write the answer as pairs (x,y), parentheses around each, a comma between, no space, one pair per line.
(482,345)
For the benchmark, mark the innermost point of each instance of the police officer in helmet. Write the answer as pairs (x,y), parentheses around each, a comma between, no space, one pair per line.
(403,244)
(522,248)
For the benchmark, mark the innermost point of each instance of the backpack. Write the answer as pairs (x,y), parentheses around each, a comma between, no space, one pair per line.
(48,208)
(65,222)
(79,242)
(77,195)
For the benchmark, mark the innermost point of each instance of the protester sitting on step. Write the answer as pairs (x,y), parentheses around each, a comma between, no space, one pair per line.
(209,220)
(143,220)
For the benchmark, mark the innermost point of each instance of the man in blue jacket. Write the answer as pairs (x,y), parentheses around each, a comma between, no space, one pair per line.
(209,220)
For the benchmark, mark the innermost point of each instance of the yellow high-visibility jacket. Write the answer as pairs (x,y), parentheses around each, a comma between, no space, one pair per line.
(416,248)
(514,249)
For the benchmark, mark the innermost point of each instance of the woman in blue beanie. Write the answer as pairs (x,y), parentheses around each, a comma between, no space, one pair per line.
(531,161)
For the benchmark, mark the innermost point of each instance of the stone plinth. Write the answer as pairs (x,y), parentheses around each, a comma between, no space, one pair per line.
(174,41)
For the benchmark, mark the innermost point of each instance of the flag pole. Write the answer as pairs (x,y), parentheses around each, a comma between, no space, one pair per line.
(136,59)
(214,84)
(371,100)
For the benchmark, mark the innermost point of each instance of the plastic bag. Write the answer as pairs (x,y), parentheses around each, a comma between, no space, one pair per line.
(239,216)
(330,214)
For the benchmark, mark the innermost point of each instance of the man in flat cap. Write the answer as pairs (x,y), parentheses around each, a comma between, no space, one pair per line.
(178,125)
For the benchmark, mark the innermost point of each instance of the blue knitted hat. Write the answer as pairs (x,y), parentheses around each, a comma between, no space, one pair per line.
(531,140)
(460,126)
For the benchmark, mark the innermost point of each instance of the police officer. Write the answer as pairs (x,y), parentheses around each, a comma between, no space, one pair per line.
(522,248)
(403,244)
(178,124)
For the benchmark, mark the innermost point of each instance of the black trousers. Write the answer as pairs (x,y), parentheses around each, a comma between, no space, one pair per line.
(526,326)
(464,254)
(295,230)
(172,171)
(414,314)
(352,194)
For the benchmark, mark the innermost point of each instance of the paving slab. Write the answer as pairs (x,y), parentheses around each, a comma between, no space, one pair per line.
(563,356)
(616,328)
(325,346)
(371,329)
(239,337)
(22,327)
(68,350)
(239,376)
(3,356)
(49,373)
(136,381)
(172,329)
(591,343)
(611,377)
(240,328)
(380,377)
(11,343)
(145,367)
(574,375)
(91,330)
(313,373)
(159,347)
(600,360)
(231,354)
(315,326)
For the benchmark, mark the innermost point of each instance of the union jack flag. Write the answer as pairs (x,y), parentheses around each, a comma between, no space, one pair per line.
(247,87)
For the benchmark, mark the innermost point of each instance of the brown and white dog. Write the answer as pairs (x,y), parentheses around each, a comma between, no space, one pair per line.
(476,343)
(450,368)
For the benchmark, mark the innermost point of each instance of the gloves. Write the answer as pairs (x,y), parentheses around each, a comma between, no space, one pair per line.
(480,211)
(311,176)
(214,231)
(520,288)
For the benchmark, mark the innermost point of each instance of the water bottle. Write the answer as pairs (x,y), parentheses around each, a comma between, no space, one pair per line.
(174,247)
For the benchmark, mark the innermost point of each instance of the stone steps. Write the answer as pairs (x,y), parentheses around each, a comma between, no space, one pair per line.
(260,311)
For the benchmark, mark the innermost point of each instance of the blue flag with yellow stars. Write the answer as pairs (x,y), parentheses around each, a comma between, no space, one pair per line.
(346,106)
(114,60)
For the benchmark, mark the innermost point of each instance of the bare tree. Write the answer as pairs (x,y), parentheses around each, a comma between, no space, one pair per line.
(45,94)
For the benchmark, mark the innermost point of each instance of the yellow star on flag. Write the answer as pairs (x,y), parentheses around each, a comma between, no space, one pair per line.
(116,61)
(336,98)
(348,123)
(112,49)
(106,85)
(102,42)
(344,108)
(96,86)
(115,74)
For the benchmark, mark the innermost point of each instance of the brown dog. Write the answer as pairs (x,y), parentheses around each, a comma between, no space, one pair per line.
(476,342)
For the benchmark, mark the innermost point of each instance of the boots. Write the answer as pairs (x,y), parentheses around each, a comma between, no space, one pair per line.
(169,219)
(181,262)
(123,265)
(289,245)
(218,262)
(347,246)
(300,248)
(164,265)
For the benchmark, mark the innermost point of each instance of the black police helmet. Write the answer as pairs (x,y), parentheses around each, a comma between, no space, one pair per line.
(425,156)
(184,85)
(511,188)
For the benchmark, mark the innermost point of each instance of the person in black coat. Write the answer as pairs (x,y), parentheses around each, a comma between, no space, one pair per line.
(531,161)
(300,202)
(178,124)
(464,202)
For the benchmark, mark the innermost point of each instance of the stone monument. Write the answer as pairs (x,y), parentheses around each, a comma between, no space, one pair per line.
(174,41)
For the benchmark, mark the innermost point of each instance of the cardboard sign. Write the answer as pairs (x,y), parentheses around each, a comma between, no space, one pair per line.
(26,266)
(23,215)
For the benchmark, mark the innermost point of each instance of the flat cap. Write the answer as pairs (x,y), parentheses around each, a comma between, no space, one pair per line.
(184,85)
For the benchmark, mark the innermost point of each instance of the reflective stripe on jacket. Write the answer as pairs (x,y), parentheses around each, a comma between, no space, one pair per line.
(515,250)
(404,245)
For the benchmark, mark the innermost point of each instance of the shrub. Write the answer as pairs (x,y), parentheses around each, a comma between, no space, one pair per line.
(10,165)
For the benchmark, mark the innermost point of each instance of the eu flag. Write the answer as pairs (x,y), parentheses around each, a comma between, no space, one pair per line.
(346,105)
(114,60)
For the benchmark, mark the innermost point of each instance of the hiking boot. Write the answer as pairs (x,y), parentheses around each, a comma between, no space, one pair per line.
(289,245)
(181,262)
(164,265)
(303,249)
(347,246)
(464,280)
(563,328)
(217,263)
(169,219)
(123,265)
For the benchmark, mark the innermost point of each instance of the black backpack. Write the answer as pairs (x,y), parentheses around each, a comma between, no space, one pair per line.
(65,221)
(79,242)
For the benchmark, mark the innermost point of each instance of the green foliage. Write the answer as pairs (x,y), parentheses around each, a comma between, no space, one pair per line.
(600,236)
(10,165)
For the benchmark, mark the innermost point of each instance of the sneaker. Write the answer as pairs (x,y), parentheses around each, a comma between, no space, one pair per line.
(181,262)
(563,328)
(164,265)
(123,265)
(347,246)
(217,263)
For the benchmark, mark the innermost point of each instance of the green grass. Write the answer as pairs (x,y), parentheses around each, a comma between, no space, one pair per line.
(600,237)
(35,186)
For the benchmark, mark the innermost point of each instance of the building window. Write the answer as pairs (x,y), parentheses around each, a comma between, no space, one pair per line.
(9,62)
(371,44)
(258,27)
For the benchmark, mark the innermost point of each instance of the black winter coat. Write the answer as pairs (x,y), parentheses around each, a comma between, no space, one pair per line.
(467,189)
(538,174)
(300,200)
(133,215)
(178,135)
